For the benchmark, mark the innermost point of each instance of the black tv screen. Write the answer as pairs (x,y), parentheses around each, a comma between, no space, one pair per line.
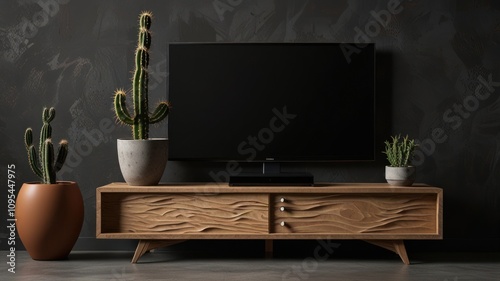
(271,102)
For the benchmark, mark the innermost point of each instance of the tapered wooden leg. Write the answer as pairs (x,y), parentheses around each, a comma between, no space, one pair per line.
(145,246)
(396,246)
(269,248)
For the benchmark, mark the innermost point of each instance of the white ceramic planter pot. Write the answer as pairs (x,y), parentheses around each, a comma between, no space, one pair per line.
(400,176)
(142,162)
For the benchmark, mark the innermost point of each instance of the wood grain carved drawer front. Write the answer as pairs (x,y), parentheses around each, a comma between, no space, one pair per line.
(185,213)
(355,213)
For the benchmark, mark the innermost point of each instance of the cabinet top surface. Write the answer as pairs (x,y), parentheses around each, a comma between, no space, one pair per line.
(224,188)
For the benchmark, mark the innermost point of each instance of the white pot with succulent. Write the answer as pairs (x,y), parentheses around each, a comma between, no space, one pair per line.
(399,153)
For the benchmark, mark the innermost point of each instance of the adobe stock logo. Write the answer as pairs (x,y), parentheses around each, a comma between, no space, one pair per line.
(265,135)
(454,117)
(84,147)
(310,264)
(254,143)
(19,35)
(373,27)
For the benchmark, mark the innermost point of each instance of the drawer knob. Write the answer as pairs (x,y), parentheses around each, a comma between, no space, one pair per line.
(282,209)
(282,223)
(282,200)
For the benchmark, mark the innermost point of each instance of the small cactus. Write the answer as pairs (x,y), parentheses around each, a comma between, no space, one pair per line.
(141,120)
(400,151)
(47,167)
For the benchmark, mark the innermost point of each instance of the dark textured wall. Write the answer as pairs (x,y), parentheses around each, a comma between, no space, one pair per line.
(438,67)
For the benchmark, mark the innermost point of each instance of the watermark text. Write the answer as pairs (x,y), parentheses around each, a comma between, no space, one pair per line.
(11,221)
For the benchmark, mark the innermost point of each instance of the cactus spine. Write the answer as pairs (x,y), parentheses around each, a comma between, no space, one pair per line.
(47,167)
(141,119)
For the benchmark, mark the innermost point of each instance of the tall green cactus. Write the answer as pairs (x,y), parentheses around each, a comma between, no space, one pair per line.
(46,168)
(141,119)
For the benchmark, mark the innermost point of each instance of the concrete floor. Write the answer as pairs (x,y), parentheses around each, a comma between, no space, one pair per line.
(240,266)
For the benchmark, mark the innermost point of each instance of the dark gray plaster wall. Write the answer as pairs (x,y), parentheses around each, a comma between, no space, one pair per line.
(438,67)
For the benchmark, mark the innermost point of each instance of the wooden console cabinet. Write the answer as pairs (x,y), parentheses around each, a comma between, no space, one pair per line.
(171,213)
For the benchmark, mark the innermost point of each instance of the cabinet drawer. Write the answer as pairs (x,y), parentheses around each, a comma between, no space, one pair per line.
(397,213)
(184,213)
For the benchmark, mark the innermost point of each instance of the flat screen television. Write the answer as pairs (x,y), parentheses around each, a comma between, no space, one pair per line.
(271,102)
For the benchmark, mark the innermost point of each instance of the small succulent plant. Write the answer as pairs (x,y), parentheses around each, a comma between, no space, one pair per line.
(399,151)
(142,118)
(43,164)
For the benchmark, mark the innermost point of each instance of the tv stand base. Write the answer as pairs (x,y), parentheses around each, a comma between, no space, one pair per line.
(145,246)
(167,214)
(396,246)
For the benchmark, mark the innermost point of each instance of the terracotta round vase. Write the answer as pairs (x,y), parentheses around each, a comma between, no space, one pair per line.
(49,218)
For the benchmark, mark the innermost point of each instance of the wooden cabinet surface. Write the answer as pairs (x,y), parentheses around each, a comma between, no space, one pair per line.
(356,214)
(184,213)
(171,213)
